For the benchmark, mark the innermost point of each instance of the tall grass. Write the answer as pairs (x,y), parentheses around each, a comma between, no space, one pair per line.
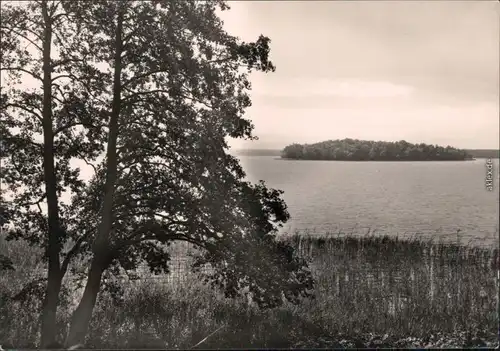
(405,287)
(167,316)
(365,286)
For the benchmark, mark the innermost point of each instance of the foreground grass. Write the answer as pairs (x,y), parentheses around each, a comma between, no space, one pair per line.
(371,292)
(407,286)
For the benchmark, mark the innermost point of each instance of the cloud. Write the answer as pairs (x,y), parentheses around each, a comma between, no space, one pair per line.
(446,51)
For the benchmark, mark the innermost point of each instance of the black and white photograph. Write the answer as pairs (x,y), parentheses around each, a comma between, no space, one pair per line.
(218,174)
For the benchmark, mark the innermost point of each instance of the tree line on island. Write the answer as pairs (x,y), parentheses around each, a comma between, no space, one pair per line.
(475,153)
(365,150)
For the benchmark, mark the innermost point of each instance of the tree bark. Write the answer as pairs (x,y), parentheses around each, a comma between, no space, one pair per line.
(83,313)
(54,278)
(101,246)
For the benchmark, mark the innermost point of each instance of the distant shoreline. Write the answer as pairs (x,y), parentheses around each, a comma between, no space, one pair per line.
(309,159)
(475,153)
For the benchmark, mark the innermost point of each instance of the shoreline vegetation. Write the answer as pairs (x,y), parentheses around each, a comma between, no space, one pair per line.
(474,153)
(421,293)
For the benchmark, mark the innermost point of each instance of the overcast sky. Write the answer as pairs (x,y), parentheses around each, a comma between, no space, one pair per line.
(414,70)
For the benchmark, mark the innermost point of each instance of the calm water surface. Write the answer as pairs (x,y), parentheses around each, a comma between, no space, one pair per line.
(399,198)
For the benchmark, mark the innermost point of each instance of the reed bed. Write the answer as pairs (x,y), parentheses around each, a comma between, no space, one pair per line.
(399,286)
(370,292)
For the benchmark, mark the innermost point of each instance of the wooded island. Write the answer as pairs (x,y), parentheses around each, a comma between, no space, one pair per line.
(365,150)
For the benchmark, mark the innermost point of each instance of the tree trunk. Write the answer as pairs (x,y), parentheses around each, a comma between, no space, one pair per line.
(54,278)
(49,311)
(83,313)
(101,246)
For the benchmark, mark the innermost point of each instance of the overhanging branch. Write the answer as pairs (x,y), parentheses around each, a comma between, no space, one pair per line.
(20,69)
(24,109)
(24,36)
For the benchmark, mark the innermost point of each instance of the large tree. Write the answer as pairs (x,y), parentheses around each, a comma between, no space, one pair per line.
(160,86)
(44,98)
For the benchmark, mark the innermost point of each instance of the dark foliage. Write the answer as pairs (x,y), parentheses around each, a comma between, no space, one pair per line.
(363,150)
(162,113)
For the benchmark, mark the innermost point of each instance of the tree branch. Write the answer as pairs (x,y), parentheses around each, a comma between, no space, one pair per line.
(129,36)
(38,36)
(71,76)
(22,140)
(75,78)
(225,59)
(71,253)
(85,160)
(144,75)
(20,69)
(58,87)
(23,36)
(25,109)
(139,93)
(172,237)
(41,214)
(34,202)
(53,9)
(74,124)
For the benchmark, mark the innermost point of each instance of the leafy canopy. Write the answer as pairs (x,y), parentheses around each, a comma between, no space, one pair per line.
(182,87)
(364,150)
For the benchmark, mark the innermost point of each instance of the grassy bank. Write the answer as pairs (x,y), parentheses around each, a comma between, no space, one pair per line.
(370,291)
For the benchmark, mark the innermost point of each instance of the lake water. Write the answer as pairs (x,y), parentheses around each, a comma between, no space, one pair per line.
(433,199)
